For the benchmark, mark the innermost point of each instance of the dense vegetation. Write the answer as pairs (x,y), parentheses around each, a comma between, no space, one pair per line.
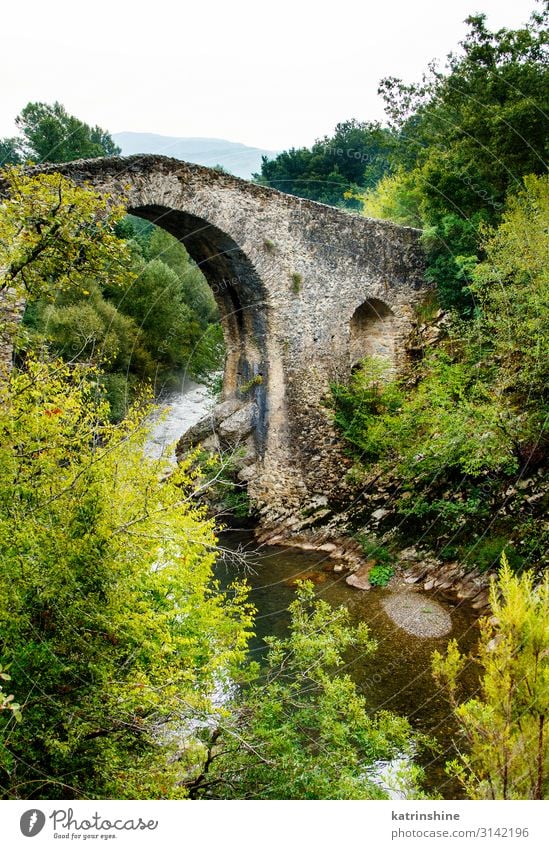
(112,628)
(335,168)
(453,435)
(466,136)
(504,726)
(161,322)
(114,635)
(300,730)
(151,328)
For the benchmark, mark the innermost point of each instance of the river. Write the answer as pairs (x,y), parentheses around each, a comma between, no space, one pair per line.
(397,676)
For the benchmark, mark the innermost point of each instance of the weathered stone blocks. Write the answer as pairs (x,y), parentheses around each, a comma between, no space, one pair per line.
(358,282)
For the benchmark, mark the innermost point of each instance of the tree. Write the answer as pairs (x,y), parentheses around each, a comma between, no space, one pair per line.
(465,137)
(56,236)
(92,296)
(356,155)
(155,301)
(505,727)
(112,627)
(84,327)
(50,134)
(10,152)
(301,730)
(197,294)
(512,288)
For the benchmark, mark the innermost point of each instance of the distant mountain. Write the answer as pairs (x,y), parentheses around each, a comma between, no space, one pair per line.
(240,160)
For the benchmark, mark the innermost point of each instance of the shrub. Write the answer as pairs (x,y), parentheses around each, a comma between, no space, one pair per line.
(381,574)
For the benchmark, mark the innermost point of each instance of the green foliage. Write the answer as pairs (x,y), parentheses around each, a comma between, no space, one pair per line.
(396,198)
(88,328)
(300,730)
(507,753)
(50,134)
(512,287)
(227,493)
(93,296)
(121,391)
(330,171)
(359,406)
(477,405)
(486,554)
(459,146)
(111,623)
(10,152)
(237,502)
(380,574)
(372,548)
(7,702)
(196,292)
(56,236)
(208,357)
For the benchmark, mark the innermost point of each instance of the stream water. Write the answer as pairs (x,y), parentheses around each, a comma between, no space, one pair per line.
(177,413)
(397,676)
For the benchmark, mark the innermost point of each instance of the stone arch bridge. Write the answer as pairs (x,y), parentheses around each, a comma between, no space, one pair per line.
(304,291)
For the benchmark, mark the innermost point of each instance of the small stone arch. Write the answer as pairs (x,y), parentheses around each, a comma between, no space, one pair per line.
(372,332)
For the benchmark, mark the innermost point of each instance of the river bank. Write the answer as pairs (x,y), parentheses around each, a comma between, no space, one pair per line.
(450,582)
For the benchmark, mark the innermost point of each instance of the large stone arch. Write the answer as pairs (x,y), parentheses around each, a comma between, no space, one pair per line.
(237,288)
(289,274)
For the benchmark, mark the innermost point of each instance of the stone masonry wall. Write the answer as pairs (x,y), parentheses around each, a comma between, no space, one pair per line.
(288,275)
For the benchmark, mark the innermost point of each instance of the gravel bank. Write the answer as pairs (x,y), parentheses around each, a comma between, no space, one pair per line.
(417,614)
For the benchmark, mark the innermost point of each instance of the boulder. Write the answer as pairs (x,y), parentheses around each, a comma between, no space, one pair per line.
(226,409)
(198,433)
(359,579)
(239,425)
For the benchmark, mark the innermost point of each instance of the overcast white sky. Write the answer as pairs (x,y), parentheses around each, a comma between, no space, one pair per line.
(272,77)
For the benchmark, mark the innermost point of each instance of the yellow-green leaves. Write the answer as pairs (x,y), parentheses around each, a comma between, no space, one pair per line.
(55,236)
(506,725)
(110,618)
